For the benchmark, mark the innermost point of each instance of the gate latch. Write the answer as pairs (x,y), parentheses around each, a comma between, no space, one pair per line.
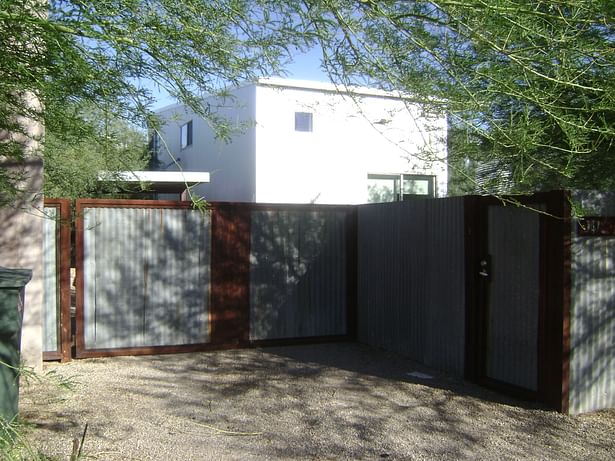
(484,267)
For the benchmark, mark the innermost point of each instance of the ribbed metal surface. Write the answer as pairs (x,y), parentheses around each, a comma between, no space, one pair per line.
(592,329)
(411,280)
(594,203)
(297,274)
(512,323)
(51,299)
(146,277)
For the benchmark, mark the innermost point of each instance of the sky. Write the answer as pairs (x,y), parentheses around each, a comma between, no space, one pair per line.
(306,66)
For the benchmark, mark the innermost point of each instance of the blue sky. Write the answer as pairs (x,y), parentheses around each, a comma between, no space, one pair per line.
(306,66)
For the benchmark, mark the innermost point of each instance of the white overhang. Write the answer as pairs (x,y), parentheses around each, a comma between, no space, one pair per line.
(162,181)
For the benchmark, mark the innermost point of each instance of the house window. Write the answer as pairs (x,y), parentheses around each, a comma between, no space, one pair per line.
(414,185)
(185,135)
(154,150)
(303,121)
(382,188)
(154,144)
(396,187)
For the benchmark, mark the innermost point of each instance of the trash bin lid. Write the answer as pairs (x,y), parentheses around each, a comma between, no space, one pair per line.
(14,278)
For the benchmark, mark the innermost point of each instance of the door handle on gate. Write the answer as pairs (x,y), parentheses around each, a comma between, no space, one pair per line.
(484,268)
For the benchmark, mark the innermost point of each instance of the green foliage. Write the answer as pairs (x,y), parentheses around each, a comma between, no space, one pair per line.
(74,160)
(110,54)
(530,84)
(14,443)
(13,447)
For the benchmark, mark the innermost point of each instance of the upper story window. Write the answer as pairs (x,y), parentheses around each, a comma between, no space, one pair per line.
(154,143)
(303,121)
(185,135)
(154,150)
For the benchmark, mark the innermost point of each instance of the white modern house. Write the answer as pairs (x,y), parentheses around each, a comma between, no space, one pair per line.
(308,142)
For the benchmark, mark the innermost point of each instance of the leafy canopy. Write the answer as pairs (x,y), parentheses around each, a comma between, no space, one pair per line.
(528,86)
(107,144)
(110,55)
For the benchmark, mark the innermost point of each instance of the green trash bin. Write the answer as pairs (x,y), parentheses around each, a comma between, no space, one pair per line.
(12,283)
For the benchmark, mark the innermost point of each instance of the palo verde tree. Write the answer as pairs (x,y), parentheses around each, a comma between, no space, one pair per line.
(528,86)
(75,56)
(74,161)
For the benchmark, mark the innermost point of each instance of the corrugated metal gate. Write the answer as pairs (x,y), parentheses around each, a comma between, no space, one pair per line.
(145,277)
(157,277)
(520,312)
(511,274)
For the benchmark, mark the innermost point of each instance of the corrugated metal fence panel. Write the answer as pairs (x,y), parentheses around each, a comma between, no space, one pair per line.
(51,298)
(297,274)
(411,280)
(512,329)
(146,277)
(592,326)
(595,203)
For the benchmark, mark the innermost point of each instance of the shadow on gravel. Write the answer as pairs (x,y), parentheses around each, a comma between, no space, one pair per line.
(340,400)
(318,401)
(326,401)
(366,360)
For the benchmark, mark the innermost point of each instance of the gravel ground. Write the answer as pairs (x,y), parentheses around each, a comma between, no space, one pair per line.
(331,401)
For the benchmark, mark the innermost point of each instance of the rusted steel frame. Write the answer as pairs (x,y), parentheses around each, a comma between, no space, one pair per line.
(230,274)
(63,245)
(558,280)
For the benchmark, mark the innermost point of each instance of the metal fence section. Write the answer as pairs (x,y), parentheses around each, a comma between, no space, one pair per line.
(51,293)
(411,294)
(146,277)
(298,273)
(405,277)
(592,372)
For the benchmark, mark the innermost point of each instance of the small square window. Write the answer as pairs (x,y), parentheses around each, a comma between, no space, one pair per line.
(185,135)
(303,121)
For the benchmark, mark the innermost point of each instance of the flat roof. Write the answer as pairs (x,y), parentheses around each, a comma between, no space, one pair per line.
(312,85)
(163,177)
(162,181)
(328,87)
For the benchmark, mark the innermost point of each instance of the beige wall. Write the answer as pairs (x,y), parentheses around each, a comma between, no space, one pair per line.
(21,238)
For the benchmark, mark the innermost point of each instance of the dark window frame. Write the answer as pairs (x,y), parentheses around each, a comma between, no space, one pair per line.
(185,143)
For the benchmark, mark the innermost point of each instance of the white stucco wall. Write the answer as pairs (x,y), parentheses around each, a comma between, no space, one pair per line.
(271,162)
(230,164)
(351,138)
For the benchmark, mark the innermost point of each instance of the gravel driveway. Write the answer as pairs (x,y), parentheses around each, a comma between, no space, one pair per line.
(329,401)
